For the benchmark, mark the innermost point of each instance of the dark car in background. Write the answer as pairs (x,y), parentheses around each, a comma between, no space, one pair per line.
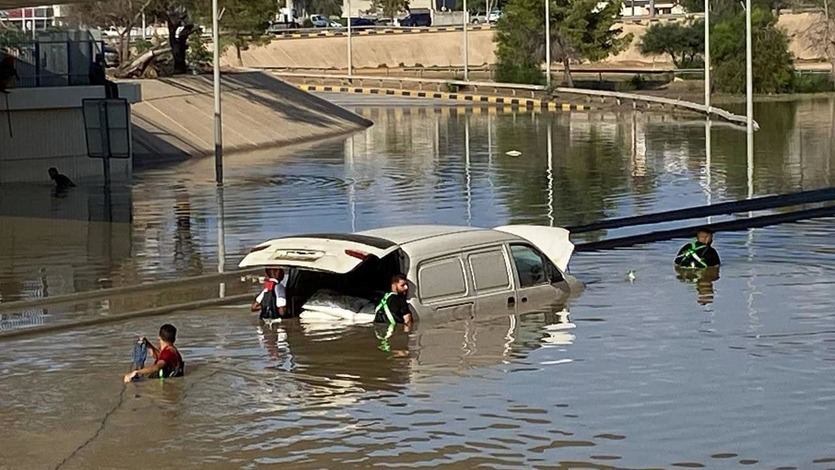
(361,23)
(417,17)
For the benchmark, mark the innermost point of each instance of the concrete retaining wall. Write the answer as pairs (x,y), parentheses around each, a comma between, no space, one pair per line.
(175,118)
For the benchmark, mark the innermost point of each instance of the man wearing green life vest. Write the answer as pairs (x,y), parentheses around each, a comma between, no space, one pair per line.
(393,308)
(698,254)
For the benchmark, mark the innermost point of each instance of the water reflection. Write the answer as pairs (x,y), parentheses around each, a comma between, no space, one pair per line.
(703,280)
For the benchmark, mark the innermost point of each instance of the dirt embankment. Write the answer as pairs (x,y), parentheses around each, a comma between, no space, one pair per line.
(175,118)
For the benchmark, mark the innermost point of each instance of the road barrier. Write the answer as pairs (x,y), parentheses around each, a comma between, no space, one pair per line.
(373,31)
(514,88)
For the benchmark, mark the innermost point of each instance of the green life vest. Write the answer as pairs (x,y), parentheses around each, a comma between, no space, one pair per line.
(691,258)
(384,306)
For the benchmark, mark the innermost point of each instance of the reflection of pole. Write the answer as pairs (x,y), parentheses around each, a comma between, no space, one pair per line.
(707,57)
(750,163)
(350,52)
(708,163)
(349,165)
(467,169)
(466,44)
(749,74)
(221,240)
(548,44)
(216,89)
(550,173)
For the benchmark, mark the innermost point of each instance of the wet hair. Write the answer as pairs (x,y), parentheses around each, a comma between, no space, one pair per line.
(52,170)
(168,333)
(398,277)
(706,230)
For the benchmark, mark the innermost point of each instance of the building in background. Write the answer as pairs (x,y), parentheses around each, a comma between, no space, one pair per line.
(36,18)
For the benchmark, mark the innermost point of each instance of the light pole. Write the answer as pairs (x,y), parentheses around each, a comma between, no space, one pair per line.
(466,45)
(216,89)
(749,75)
(548,42)
(350,52)
(707,57)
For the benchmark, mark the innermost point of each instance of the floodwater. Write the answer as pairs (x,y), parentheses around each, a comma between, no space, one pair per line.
(659,372)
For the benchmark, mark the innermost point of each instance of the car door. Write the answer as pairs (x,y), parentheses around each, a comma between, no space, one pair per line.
(443,289)
(539,284)
(492,280)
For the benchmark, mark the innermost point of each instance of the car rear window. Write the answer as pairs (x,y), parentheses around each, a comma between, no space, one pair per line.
(442,278)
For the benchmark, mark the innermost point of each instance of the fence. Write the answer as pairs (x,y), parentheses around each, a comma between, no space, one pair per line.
(53,63)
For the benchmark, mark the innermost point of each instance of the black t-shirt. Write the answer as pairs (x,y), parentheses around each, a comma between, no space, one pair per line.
(398,307)
(689,256)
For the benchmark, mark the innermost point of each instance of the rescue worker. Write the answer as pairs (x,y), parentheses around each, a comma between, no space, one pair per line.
(698,254)
(393,307)
(167,359)
(272,301)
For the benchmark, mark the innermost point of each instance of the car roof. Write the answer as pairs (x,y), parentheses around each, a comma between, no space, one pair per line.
(427,239)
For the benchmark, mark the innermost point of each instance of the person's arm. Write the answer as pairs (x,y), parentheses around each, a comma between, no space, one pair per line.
(256,304)
(152,369)
(153,348)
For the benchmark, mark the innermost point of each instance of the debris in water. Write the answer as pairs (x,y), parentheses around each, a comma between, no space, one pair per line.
(513,153)
(630,275)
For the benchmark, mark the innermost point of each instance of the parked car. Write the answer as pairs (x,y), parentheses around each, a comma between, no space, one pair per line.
(361,23)
(494,16)
(478,18)
(417,17)
(320,21)
(454,272)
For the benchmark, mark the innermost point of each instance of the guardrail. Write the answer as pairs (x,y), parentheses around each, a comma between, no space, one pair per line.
(619,97)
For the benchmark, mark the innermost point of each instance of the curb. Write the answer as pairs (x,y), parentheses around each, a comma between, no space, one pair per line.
(465,98)
(380,32)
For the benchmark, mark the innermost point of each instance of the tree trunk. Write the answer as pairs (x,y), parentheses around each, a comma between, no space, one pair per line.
(566,67)
(179,46)
(238,55)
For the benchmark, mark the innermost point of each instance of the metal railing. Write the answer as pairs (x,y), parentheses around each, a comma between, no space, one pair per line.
(53,63)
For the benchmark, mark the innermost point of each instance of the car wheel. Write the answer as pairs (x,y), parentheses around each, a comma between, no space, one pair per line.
(475,21)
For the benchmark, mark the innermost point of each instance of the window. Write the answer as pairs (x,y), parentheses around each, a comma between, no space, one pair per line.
(442,278)
(532,269)
(489,270)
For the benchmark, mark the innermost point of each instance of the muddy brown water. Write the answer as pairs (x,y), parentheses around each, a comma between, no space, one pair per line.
(657,372)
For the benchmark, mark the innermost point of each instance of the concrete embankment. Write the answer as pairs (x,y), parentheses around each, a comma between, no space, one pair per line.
(175,118)
(445,49)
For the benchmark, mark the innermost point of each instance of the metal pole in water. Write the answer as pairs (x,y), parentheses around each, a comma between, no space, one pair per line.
(749,74)
(548,43)
(350,52)
(216,82)
(707,57)
(221,240)
(466,44)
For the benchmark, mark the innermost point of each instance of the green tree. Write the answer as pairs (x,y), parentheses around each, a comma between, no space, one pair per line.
(773,67)
(123,14)
(580,30)
(684,43)
(243,22)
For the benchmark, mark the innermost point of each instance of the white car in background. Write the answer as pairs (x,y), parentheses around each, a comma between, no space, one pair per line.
(454,272)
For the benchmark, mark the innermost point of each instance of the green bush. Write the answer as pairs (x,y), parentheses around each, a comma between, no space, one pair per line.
(519,73)
(198,53)
(813,83)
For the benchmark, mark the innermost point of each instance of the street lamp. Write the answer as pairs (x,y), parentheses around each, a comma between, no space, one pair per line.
(707,57)
(466,45)
(216,90)
(548,42)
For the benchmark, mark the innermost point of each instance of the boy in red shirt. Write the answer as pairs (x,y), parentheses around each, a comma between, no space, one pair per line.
(167,359)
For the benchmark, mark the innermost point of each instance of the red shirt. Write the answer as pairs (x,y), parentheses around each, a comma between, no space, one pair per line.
(173,363)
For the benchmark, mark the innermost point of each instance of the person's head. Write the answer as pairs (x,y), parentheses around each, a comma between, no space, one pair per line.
(99,58)
(399,284)
(704,235)
(168,333)
(274,273)
(53,172)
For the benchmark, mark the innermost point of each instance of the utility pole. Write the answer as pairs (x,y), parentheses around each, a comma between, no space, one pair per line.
(548,43)
(466,45)
(749,74)
(216,89)
(707,57)
(651,9)
(350,51)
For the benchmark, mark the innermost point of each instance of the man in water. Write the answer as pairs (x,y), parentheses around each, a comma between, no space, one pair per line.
(272,301)
(393,308)
(698,254)
(167,359)
(62,182)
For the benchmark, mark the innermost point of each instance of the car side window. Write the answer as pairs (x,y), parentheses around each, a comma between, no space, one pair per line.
(532,267)
(489,270)
(441,278)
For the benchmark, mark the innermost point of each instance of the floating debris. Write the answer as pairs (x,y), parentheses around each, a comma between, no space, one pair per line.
(513,153)
(630,275)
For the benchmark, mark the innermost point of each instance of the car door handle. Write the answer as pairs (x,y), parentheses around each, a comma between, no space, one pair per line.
(511,301)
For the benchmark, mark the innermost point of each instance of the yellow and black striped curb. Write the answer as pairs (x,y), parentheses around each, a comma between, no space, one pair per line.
(377,31)
(465,98)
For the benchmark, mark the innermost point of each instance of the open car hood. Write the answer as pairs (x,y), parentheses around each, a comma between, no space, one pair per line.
(335,253)
(553,241)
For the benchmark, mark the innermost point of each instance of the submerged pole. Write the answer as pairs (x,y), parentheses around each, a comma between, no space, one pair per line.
(218,125)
